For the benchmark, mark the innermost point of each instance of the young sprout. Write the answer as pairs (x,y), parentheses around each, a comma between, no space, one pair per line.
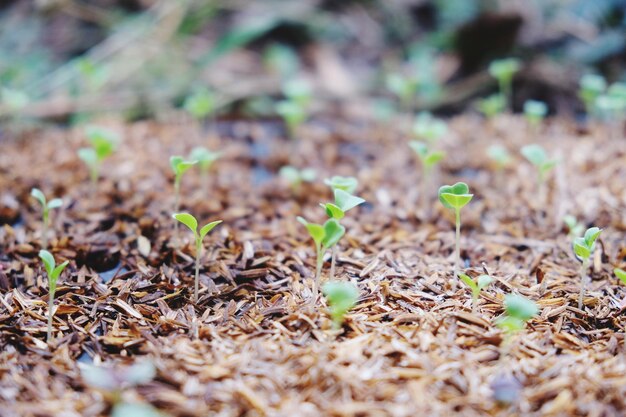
(477,286)
(535,111)
(537,156)
(455,197)
(428,157)
(621,274)
(200,104)
(429,128)
(191,222)
(325,237)
(492,105)
(103,144)
(341,297)
(53,271)
(573,226)
(503,70)
(583,248)
(344,201)
(518,311)
(45,206)
(348,184)
(206,159)
(293,115)
(404,88)
(591,87)
(295,177)
(499,155)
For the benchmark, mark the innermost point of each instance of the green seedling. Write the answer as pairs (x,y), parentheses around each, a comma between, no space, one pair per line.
(293,115)
(53,271)
(620,274)
(347,184)
(45,206)
(341,297)
(535,111)
(583,248)
(518,311)
(103,144)
(325,237)
(206,159)
(191,222)
(456,197)
(537,156)
(492,105)
(504,70)
(179,166)
(573,226)
(499,155)
(428,157)
(591,87)
(482,282)
(405,88)
(295,177)
(344,201)
(201,104)
(429,128)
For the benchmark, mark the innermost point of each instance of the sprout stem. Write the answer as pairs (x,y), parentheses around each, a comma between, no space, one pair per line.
(176,207)
(50,312)
(44,231)
(318,274)
(583,281)
(197,275)
(457,256)
(332,263)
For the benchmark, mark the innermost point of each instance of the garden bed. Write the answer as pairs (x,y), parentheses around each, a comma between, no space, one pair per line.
(252,345)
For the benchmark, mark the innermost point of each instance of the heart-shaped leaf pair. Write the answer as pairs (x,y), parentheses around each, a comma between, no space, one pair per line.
(347,184)
(428,157)
(191,223)
(343,202)
(205,157)
(180,165)
(583,246)
(325,236)
(481,282)
(103,141)
(455,196)
(53,270)
(518,311)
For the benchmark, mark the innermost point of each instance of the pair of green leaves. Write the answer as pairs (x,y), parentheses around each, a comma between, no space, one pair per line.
(296,176)
(583,246)
(428,128)
(518,311)
(325,236)
(428,157)
(200,104)
(103,143)
(53,270)
(503,70)
(191,222)
(344,201)
(455,196)
(482,282)
(537,156)
(180,165)
(492,105)
(204,157)
(347,184)
(342,297)
(46,205)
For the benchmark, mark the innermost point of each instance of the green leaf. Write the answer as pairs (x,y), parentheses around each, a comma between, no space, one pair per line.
(346,201)
(333,211)
(39,196)
(103,141)
(510,324)
(205,157)
(455,201)
(504,69)
(347,184)
(188,220)
(581,249)
(484,281)
(519,307)
(180,165)
(469,282)
(88,156)
(621,274)
(315,230)
(342,297)
(48,261)
(591,235)
(428,127)
(57,271)
(492,105)
(55,203)
(333,231)
(208,227)
(499,154)
(420,148)
(535,154)
(433,158)
(200,104)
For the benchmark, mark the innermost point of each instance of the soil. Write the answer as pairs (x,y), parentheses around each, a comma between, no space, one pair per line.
(252,345)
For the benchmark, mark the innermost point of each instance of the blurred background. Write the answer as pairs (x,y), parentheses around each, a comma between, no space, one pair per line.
(72,61)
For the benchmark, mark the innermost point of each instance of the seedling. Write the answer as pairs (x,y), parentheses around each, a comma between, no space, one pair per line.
(429,128)
(179,167)
(200,104)
(482,282)
(503,70)
(456,197)
(535,111)
(348,184)
(583,248)
(191,222)
(298,91)
(621,274)
(53,271)
(405,88)
(537,156)
(518,311)
(295,177)
(293,115)
(492,105)
(591,87)
(341,297)
(573,226)
(428,157)
(325,237)
(206,159)
(499,155)
(45,206)
(103,144)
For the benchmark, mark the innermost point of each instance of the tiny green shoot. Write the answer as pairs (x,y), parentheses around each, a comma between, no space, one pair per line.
(342,297)
(482,282)
(591,87)
(573,226)
(53,271)
(492,105)
(429,128)
(45,206)
(537,156)
(583,248)
(325,237)
(103,143)
(293,114)
(348,184)
(518,311)
(503,70)
(344,202)
(499,155)
(191,222)
(428,157)
(620,274)
(295,177)
(201,104)
(535,111)
(404,88)
(456,197)
(179,166)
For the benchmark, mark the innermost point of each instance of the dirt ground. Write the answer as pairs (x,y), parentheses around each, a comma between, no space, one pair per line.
(252,346)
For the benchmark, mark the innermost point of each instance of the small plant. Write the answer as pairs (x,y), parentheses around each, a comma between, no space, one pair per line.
(342,297)
(499,155)
(518,311)
(45,206)
(325,237)
(293,115)
(591,87)
(206,159)
(535,111)
(573,226)
(429,128)
(583,248)
(179,167)
(103,144)
(428,157)
(191,222)
(53,271)
(504,70)
(456,197)
(295,177)
(405,88)
(537,156)
(482,282)
(620,274)
(348,184)
(492,105)
(201,104)
(344,201)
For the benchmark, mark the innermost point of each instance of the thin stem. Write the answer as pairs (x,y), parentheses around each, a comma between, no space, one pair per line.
(204,180)
(583,281)
(44,232)
(457,255)
(50,312)
(197,280)
(318,274)
(332,263)
(176,207)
